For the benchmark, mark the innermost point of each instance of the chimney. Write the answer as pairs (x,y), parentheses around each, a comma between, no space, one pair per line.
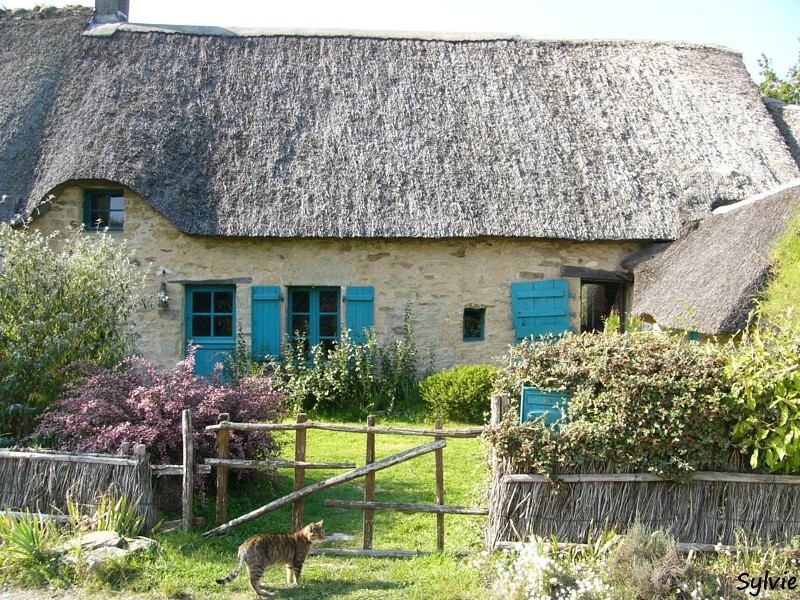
(110,11)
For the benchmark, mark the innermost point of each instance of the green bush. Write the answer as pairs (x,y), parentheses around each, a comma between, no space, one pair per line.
(461,393)
(639,402)
(764,372)
(350,380)
(66,299)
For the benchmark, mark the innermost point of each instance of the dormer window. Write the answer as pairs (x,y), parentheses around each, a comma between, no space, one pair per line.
(104,209)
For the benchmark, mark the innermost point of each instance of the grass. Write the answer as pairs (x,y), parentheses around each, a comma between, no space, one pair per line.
(187,565)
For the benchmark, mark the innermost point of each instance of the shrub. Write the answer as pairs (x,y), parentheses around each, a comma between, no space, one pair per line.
(351,379)
(640,401)
(137,402)
(65,299)
(461,393)
(764,373)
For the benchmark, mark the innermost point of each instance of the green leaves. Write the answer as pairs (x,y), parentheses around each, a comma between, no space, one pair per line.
(766,370)
(643,402)
(65,298)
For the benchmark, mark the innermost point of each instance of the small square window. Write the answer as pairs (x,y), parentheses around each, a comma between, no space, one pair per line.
(104,209)
(474,319)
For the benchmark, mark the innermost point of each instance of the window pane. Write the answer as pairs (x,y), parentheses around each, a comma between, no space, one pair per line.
(223,326)
(223,302)
(98,219)
(328,345)
(201,302)
(328,326)
(329,301)
(116,219)
(117,203)
(301,301)
(300,325)
(473,323)
(201,326)
(101,202)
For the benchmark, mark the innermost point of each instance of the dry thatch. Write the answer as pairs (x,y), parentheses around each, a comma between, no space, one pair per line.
(787,118)
(43,484)
(707,281)
(354,136)
(702,512)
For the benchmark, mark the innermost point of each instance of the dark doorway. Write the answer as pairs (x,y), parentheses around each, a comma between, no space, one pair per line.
(599,300)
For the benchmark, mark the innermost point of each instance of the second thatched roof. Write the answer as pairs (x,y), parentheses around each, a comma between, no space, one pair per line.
(316,135)
(709,280)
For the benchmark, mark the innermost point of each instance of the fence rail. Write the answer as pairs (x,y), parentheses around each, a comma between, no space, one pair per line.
(223,463)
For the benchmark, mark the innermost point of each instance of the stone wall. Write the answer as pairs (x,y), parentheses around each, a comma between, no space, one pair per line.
(437,279)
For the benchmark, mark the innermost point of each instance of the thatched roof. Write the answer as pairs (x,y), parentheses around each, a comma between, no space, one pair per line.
(787,118)
(707,281)
(358,136)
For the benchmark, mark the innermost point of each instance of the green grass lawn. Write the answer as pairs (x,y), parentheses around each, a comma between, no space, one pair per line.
(187,565)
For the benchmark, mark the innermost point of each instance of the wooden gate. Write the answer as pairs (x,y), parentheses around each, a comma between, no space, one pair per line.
(223,463)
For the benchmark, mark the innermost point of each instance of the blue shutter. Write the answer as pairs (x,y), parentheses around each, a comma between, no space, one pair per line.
(360,311)
(266,321)
(540,308)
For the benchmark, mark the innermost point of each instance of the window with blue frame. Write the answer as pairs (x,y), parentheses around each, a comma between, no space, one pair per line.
(314,316)
(104,209)
(210,324)
(474,320)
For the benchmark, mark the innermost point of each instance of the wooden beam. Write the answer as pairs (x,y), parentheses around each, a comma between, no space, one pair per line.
(407,507)
(719,476)
(235,463)
(368,553)
(469,432)
(188,471)
(74,458)
(333,481)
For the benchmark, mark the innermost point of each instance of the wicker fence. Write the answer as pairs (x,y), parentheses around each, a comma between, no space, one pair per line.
(42,481)
(708,509)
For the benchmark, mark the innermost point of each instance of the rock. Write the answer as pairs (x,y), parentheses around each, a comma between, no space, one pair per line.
(98,547)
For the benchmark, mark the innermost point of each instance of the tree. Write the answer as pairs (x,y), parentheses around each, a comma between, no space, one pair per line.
(773,86)
(65,299)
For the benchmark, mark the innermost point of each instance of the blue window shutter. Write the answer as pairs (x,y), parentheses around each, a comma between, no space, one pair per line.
(540,308)
(266,321)
(360,311)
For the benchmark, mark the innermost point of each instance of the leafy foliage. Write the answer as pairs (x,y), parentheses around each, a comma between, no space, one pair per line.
(352,379)
(641,401)
(65,299)
(461,393)
(138,402)
(773,86)
(765,376)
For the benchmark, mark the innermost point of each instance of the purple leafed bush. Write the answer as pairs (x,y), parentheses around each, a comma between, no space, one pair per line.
(138,402)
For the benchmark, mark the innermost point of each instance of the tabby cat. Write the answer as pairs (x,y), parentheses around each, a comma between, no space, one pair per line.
(266,549)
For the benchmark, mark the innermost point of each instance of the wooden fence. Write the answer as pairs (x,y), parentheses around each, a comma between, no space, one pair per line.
(222,464)
(708,509)
(42,481)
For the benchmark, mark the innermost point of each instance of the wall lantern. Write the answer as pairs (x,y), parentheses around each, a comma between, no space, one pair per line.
(163,296)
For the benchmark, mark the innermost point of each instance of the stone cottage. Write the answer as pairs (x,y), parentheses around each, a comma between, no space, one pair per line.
(284,184)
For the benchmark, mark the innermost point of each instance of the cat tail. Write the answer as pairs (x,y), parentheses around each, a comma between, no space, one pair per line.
(234,574)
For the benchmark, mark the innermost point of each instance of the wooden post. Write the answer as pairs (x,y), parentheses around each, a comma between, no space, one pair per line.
(125,449)
(369,487)
(384,463)
(223,451)
(439,454)
(299,473)
(499,407)
(188,471)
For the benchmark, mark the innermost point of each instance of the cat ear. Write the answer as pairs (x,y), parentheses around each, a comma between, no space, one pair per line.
(320,523)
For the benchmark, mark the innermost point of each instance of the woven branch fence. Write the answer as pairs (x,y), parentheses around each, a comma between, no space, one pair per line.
(710,508)
(42,481)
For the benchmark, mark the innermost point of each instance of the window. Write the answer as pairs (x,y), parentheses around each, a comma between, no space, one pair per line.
(210,324)
(104,209)
(314,316)
(474,319)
